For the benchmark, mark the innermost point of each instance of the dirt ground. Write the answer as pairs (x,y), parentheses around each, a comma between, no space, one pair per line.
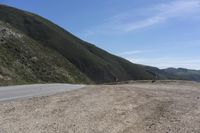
(138,107)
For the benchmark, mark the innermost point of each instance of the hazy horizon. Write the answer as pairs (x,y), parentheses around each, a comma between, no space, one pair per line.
(158,33)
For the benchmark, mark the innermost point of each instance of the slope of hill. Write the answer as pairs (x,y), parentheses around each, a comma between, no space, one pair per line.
(34,49)
(24,60)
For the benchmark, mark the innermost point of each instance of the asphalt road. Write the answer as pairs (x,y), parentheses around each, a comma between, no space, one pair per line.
(28,91)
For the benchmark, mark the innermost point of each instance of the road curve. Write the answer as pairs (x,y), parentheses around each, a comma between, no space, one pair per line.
(28,91)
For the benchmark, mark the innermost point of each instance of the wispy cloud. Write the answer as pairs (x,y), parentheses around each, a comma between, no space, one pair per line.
(134,52)
(147,57)
(165,62)
(126,22)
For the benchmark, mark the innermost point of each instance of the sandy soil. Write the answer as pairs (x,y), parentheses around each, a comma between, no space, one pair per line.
(162,107)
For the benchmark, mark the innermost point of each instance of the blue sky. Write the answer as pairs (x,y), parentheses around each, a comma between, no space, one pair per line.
(161,33)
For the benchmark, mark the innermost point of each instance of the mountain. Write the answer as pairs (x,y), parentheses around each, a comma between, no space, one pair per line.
(35,50)
(183,74)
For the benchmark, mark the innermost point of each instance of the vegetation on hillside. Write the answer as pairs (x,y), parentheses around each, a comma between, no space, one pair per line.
(35,50)
(98,65)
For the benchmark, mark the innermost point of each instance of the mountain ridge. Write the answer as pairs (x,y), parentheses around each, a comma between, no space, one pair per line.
(33,49)
(96,64)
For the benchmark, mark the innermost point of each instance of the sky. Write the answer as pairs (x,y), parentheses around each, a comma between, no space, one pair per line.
(161,33)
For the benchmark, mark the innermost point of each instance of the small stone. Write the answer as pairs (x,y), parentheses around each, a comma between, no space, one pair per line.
(1,76)
(34,59)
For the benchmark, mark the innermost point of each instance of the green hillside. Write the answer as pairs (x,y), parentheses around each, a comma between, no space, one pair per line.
(24,60)
(36,50)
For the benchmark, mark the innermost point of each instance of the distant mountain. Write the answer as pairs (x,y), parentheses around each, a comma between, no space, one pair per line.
(34,50)
(175,73)
(183,74)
